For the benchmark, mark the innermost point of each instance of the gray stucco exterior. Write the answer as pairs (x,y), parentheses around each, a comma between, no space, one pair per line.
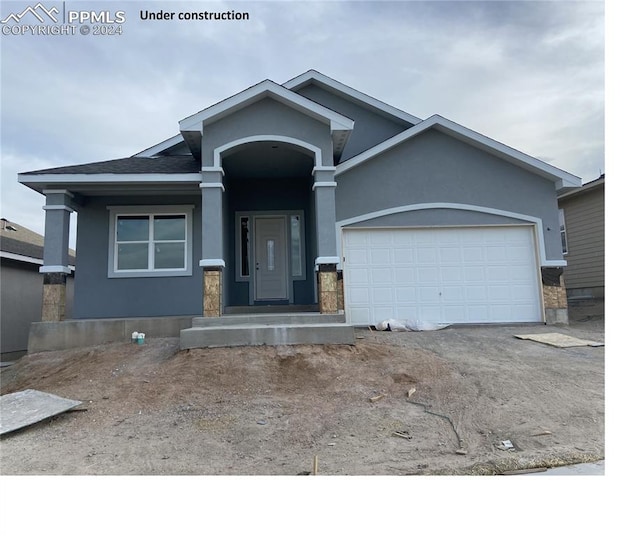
(98,296)
(434,168)
(310,152)
(266,118)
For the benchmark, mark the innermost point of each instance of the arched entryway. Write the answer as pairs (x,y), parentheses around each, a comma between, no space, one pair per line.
(270,225)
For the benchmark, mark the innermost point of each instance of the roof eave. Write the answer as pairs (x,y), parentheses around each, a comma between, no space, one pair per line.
(267,88)
(561,178)
(98,181)
(334,86)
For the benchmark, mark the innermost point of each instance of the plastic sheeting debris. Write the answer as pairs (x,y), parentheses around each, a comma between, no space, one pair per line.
(391,324)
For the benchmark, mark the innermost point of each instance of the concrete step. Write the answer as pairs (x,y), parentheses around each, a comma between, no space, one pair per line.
(263,334)
(271,319)
(253,309)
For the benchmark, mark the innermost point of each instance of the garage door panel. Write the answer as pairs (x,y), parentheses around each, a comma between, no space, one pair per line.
(426,275)
(382,313)
(474,274)
(427,255)
(380,256)
(382,295)
(381,276)
(450,254)
(358,276)
(453,294)
(499,293)
(359,316)
(476,294)
(404,275)
(473,254)
(358,296)
(453,275)
(429,294)
(404,256)
(456,314)
(406,312)
(405,295)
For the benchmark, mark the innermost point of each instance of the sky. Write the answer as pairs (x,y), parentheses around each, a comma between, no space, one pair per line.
(527,74)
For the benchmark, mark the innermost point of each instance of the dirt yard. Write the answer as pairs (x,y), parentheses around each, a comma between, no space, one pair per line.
(155,410)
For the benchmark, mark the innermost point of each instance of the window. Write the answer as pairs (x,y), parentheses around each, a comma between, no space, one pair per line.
(563,232)
(150,241)
(297,256)
(244,246)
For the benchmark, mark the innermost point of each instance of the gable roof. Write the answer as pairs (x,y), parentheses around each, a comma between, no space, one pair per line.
(338,88)
(192,127)
(587,187)
(436,122)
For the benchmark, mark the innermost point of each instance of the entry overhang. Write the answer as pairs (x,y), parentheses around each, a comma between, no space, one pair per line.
(192,127)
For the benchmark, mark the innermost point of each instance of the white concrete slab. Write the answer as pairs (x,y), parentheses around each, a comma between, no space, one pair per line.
(24,408)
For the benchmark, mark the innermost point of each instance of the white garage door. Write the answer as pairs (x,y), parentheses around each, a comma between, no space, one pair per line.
(441,275)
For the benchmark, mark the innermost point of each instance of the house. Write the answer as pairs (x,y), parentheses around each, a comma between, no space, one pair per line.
(21,253)
(310,194)
(582,228)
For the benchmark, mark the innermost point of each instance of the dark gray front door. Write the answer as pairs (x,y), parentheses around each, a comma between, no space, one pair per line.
(271,273)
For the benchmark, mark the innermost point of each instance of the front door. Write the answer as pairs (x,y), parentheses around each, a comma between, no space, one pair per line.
(270,254)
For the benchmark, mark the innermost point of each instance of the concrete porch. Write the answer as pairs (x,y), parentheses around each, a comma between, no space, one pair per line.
(281,328)
(270,329)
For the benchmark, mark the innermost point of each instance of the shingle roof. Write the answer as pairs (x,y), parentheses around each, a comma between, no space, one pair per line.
(19,240)
(17,247)
(134,164)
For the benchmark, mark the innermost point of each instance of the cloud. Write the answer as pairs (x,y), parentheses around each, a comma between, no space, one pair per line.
(528,74)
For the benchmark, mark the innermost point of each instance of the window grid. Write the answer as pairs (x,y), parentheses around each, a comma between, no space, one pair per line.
(164,231)
(151,243)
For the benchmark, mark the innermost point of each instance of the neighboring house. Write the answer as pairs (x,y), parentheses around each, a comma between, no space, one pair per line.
(21,253)
(582,214)
(287,194)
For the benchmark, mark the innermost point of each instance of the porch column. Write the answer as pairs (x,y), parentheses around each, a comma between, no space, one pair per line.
(212,261)
(56,254)
(554,296)
(324,188)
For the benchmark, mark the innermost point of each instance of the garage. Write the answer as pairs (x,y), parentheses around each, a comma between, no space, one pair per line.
(457,275)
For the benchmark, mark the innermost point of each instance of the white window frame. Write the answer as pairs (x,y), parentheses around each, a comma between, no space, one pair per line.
(564,244)
(151,211)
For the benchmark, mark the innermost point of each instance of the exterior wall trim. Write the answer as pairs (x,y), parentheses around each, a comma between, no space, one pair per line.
(57,207)
(314,76)
(325,184)
(212,263)
(217,152)
(327,260)
(212,185)
(267,88)
(147,210)
(55,269)
(159,147)
(537,222)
